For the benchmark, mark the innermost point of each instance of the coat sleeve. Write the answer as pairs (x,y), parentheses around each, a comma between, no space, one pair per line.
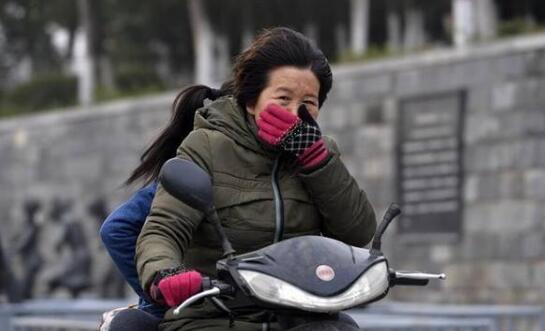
(170,224)
(348,214)
(121,229)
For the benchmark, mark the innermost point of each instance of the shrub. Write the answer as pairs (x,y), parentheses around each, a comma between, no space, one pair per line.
(372,53)
(42,92)
(517,26)
(133,78)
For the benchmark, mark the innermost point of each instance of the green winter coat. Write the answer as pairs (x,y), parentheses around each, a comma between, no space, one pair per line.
(325,201)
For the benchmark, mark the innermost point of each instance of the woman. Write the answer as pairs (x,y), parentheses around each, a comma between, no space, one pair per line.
(260,138)
(121,228)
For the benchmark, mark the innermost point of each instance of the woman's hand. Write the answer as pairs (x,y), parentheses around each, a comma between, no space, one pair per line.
(297,135)
(174,286)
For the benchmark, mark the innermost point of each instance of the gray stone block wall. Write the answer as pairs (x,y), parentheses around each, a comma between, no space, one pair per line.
(79,157)
(499,256)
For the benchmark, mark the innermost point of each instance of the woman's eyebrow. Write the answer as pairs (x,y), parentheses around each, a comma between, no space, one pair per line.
(311,96)
(289,90)
(283,89)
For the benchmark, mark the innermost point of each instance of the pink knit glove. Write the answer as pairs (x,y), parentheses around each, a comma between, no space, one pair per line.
(174,289)
(298,135)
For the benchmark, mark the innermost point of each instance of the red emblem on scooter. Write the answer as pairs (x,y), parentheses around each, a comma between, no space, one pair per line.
(325,273)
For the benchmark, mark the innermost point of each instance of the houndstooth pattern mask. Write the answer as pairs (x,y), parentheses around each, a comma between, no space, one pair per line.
(300,138)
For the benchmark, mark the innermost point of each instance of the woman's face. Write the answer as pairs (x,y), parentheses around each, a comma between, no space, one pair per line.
(289,87)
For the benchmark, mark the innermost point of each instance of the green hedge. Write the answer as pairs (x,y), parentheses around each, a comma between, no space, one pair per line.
(42,92)
(373,53)
(55,90)
(517,26)
(131,81)
(134,78)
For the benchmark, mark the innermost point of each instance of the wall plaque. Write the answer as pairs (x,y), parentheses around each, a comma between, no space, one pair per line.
(429,167)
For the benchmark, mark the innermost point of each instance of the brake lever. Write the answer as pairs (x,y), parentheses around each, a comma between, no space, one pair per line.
(213,292)
(211,288)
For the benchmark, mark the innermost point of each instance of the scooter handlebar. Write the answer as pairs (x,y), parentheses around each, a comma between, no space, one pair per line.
(414,278)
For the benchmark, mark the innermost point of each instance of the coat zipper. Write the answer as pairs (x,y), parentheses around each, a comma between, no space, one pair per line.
(278,202)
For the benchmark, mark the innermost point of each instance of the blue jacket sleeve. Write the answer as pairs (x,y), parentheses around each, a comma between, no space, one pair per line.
(121,229)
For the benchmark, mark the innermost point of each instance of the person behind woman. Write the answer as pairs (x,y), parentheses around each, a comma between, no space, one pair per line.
(260,137)
(121,228)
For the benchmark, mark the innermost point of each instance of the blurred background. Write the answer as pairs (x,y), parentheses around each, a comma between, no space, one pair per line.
(436,104)
(68,52)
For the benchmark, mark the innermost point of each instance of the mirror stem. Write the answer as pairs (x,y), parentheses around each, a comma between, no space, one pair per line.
(391,213)
(213,217)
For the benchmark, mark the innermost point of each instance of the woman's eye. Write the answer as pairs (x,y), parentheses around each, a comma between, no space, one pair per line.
(284,98)
(310,103)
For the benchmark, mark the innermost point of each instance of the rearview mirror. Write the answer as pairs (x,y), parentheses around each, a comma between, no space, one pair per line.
(187,182)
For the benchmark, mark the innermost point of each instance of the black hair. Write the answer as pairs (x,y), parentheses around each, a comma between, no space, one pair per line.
(178,128)
(275,48)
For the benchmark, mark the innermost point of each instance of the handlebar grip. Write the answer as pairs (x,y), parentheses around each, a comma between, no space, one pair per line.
(413,278)
(410,282)
(206,283)
(209,283)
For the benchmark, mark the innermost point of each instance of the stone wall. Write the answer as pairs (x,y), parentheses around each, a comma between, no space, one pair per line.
(80,158)
(61,173)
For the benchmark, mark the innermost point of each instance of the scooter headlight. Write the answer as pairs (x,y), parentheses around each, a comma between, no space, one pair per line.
(370,285)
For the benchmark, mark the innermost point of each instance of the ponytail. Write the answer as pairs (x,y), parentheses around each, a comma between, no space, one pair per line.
(180,125)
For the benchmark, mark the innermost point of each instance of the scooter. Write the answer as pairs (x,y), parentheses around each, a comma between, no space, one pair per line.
(305,281)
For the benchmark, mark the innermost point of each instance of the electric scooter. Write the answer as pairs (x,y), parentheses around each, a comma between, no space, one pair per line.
(305,290)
